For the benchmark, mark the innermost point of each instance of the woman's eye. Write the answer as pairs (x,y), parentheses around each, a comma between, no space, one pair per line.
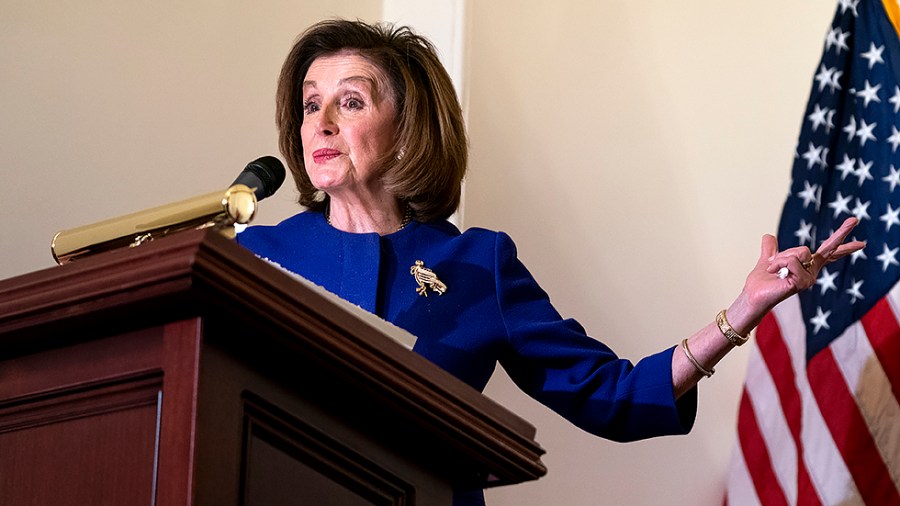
(354,103)
(310,107)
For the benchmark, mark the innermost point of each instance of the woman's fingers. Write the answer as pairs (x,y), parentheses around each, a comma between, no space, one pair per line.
(768,250)
(780,274)
(801,253)
(847,249)
(834,247)
(804,273)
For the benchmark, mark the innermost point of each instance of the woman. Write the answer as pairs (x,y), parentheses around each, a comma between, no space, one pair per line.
(373,134)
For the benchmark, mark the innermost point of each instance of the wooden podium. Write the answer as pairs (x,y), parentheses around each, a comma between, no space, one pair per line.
(187,371)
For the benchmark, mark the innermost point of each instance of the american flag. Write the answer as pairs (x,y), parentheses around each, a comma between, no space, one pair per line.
(819,418)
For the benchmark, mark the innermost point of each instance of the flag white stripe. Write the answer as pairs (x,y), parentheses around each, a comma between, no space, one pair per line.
(741,491)
(824,462)
(893,298)
(774,429)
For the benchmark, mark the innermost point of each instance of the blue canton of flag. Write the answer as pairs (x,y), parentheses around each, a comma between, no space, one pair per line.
(847,165)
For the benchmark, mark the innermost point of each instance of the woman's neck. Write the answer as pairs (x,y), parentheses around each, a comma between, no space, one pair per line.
(357,217)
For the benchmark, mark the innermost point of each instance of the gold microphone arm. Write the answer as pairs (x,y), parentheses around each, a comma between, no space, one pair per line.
(219,210)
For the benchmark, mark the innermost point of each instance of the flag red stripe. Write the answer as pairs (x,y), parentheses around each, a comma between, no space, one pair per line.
(777,357)
(884,334)
(778,360)
(756,455)
(849,430)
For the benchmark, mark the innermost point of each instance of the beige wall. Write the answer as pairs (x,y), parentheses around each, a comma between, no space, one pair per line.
(111,107)
(636,151)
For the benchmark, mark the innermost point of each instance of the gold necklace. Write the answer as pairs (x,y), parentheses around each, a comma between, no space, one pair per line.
(407,217)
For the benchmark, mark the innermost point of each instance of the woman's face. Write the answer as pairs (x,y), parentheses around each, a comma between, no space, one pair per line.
(349,123)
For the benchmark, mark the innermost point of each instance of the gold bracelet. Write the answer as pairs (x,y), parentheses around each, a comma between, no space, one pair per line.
(690,356)
(728,331)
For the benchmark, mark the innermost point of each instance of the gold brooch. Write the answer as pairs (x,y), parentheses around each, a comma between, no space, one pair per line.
(426,279)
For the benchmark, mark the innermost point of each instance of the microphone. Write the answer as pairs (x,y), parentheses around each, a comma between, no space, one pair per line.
(265,174)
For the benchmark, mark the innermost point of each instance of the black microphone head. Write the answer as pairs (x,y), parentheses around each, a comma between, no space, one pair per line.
(266,174)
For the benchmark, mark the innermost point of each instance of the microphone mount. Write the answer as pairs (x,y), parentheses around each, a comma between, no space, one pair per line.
(220,210)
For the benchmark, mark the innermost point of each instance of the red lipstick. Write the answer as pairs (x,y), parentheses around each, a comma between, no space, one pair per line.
(325,154)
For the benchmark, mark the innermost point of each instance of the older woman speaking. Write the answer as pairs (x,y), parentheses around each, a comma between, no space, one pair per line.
(373,134)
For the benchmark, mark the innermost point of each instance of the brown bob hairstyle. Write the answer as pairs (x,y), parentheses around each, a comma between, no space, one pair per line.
(426,168)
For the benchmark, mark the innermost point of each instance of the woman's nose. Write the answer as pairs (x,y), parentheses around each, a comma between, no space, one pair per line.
(326,123)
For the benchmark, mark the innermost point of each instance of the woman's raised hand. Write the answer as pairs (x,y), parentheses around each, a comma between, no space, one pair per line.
(780,274)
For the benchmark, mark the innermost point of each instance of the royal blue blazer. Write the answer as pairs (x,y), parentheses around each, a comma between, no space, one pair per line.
(492,311)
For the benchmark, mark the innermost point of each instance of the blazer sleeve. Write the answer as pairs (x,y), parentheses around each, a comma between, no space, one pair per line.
(556,362)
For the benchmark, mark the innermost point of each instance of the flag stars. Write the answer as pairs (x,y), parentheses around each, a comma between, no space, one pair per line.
(818,117)
(840,204)
(873,55)
(826,281)
(850,129)
(830,77)
(804,233)
(896,99)
(860,210)
(813,155)
(848,146)
(888,257)
(849,4)
(848,166)
(864,132)
(825,76)
(838,39)
(836,80)
(854,292)
(890,218)
(894,139)
(863,171)
(820,321)
(893,178)
(808,194)
(831,38)
(841,41)
(869,94)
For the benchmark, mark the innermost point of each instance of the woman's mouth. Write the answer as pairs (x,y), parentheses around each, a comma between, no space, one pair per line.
(325,154)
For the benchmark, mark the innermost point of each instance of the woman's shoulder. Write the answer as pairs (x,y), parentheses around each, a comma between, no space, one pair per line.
(450,231)
(473,241)
(307,223)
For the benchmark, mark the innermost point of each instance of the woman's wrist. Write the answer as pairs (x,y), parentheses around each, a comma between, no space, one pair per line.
(742,316)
